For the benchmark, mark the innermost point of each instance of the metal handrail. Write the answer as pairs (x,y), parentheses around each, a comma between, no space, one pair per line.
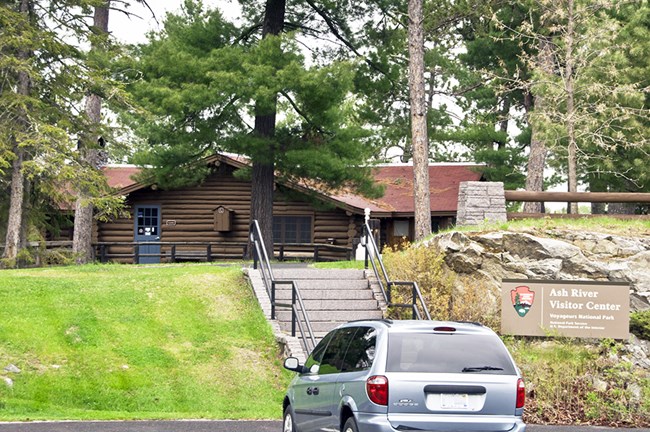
(296,298)
(372,252)
(307,333)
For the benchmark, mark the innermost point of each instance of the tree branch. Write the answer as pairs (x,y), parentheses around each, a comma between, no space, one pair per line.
(331,25)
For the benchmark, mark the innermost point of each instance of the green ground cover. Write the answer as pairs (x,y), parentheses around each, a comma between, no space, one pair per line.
(602,224)
(135,342)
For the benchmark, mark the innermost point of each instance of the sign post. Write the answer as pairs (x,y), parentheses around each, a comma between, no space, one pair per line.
(565,308)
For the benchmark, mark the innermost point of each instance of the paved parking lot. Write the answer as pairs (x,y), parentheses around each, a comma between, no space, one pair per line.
(220,426)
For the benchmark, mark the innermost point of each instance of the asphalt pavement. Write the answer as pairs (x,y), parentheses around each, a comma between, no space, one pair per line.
(220,426)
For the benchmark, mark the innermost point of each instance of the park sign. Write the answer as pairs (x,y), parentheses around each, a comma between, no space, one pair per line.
(565,308)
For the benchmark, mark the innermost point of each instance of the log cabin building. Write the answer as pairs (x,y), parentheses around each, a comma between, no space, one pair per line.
(212,219)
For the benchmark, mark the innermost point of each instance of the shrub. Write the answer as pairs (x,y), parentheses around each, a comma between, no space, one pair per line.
(640,324)
(426,267)
(50,257)
(447,296)
(568,381)
(473,300)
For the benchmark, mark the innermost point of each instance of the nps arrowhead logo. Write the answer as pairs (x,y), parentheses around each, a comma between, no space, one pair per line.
(522,299)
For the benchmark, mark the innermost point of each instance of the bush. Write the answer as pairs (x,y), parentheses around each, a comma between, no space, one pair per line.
(447,296)
(640,324)
(426,267)
(51,257)
(568,381)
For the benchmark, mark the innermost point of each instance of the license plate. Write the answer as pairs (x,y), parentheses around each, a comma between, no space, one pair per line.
(454,401)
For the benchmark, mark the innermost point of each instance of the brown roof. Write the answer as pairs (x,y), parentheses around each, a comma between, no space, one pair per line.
(444,180)
(120,176)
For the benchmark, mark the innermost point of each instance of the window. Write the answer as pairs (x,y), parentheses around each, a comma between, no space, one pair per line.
(147,222)
(292,229)
(435,353)
(317,354)
(335,353)
(401,228)
(361,351)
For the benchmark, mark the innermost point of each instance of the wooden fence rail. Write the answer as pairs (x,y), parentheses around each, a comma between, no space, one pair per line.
(599,197)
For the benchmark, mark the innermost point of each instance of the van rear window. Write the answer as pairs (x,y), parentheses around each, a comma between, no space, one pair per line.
(448,353)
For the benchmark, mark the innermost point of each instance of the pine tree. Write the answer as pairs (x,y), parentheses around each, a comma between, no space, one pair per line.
(422,204)
(203,80)
(90,146)
(43,84)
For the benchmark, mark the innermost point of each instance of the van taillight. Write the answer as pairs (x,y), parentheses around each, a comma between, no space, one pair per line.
(444,329)
(377,388)
(521,393)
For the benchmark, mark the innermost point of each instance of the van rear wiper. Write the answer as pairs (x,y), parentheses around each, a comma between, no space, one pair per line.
(481,368)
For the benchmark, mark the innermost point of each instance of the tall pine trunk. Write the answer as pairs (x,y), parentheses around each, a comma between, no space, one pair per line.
(90,155)
(16,202)
(570,108)
(15,230)
(538,150)
(422,203)
(263,165)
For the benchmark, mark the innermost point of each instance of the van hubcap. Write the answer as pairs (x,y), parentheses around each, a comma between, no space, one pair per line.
(288,423)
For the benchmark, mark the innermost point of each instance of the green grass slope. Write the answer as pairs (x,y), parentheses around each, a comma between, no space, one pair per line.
(135,342)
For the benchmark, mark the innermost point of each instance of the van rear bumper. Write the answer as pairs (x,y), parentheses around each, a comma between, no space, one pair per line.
(369,422)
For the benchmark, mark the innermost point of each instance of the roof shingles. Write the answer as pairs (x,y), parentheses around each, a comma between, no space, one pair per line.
(444,181)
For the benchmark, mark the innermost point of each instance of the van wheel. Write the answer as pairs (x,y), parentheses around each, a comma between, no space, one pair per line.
(350,425)
(287,424)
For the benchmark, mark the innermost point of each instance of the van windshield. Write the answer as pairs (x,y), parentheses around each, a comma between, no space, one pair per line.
(444,353)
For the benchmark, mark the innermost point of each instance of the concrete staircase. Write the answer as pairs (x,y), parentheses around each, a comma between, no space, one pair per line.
(331,297)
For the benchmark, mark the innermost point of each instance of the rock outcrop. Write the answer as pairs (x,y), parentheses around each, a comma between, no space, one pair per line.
(553,255)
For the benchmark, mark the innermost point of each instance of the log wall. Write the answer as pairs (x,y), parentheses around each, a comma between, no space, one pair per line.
(187,215)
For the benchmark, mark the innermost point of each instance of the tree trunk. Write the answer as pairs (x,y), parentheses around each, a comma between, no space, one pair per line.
(621,208)
(503,122)
(16,199)
(597,185)
(263,178)
(83,215)
(15,229)
(538,150)
(422,203)
(570,109)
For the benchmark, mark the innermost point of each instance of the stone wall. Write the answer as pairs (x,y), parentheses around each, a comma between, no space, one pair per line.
(481,202)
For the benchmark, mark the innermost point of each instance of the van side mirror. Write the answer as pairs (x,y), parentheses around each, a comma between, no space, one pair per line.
(293,364)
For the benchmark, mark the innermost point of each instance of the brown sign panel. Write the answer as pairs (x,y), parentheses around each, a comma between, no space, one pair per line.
(565,308)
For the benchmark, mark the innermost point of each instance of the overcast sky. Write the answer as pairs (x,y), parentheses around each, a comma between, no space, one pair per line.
(134,29)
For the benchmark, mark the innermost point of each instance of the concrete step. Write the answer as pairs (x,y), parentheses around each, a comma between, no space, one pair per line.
(321,284)
(341,316)
(339,305)
(337,294)
(323,274)
(325,328)
(320,327)
(350,284)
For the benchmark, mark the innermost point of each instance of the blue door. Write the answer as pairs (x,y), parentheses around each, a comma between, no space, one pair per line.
(147,229)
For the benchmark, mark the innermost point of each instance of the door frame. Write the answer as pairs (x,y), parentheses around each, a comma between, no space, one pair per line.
(155,236)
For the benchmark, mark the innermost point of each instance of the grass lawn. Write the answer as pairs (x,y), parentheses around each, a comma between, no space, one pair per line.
(602,224)
(135,342)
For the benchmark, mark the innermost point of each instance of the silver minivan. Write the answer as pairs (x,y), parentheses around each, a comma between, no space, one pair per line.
(389,376)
